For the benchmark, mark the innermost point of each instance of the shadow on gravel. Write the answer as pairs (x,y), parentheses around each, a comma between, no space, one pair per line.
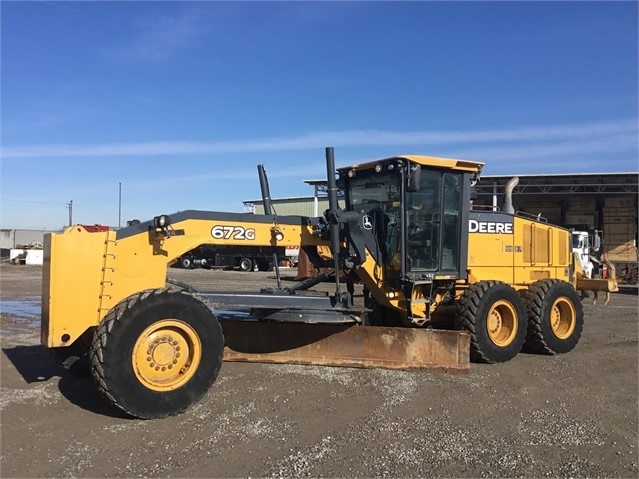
(83,393)
(35,365)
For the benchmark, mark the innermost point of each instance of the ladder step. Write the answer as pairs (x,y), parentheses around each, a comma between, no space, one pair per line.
(419,301)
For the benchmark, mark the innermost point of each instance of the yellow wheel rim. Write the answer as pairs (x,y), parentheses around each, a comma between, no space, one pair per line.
(166,355)
(563,318)
(502,323)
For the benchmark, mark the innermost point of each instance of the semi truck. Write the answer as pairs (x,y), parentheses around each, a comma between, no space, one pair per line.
(243,258)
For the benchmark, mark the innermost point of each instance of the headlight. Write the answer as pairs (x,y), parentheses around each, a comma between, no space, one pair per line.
(161,221)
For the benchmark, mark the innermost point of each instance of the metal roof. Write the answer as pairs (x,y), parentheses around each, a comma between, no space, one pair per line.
(563,184)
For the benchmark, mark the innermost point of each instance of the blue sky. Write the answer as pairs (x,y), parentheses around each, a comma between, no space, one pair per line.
(180,101)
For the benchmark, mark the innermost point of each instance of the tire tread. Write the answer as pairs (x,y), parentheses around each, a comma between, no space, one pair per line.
(535,299)
(114,320)
(468,311)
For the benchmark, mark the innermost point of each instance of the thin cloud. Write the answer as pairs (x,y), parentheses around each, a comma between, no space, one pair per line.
(564,155)
(160,37)
(247,175)
(612,132)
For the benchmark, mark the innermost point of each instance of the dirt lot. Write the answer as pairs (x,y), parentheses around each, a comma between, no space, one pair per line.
(573,415)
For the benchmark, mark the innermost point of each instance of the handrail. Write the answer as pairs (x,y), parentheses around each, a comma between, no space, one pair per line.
(537,217)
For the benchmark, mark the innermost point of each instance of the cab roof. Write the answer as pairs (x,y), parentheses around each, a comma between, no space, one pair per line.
(434,161)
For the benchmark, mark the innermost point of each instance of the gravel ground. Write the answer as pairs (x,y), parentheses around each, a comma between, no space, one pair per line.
(573,415)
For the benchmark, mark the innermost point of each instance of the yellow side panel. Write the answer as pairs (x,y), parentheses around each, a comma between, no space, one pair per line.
(536,243)
(563,248)
(542,247)
(533,251)
(72,276)
(490,256)
(543,251)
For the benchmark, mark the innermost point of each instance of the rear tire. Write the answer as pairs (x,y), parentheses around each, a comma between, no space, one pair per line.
(156,353)
(495,316)
(246,264)
(555,317)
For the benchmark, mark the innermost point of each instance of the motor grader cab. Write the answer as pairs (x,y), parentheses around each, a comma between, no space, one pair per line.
(417,211)
(446,284)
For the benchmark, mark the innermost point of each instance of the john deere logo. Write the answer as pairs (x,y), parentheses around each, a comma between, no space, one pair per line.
(475,226)
(367,222)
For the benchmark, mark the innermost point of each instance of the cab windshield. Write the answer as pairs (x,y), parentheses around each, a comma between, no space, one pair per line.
(378,195)
(432,215)
(577,241)
(433,222)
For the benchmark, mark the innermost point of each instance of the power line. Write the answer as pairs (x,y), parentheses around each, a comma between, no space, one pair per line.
(33,201)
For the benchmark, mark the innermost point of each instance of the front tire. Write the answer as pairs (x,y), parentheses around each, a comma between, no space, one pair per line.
(495,316)
(156,353)
(555,317)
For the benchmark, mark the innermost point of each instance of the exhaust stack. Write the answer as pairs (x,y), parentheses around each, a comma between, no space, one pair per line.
(266,193)
(508,195)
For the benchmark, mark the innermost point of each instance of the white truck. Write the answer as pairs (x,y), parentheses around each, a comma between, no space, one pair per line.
(588,246)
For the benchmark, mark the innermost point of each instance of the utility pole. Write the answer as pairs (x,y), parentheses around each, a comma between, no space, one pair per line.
(120,205)
(70,206)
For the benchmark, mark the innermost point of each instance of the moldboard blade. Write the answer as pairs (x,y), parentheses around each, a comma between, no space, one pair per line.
(345,345)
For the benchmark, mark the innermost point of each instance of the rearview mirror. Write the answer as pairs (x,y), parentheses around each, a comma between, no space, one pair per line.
(596,242)
(413,182)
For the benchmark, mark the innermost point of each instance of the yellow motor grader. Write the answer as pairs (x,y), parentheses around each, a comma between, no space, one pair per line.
(444,283)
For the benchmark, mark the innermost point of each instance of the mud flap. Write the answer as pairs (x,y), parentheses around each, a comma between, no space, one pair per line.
(345,345)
